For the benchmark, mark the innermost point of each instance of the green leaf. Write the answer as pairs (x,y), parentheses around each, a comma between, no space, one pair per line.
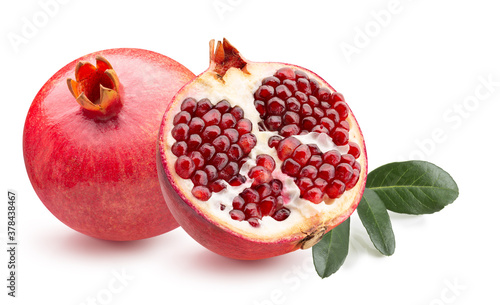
(375,219)
(413,187)
(330,253)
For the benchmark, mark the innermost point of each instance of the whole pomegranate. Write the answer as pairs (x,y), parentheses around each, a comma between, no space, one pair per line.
(89,144)
(259,159)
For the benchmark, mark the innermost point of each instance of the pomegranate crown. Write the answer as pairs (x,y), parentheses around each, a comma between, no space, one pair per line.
(96,88)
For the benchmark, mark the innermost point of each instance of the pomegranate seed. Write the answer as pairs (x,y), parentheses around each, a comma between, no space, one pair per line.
(354,179)
(314,149)
(306,110)
(313,101)
(290,84)
(343,172)
(211,171)
(182,117)
(199,178)
(290,167)
(335,189)
(345,125)
(328,123)
(281,214)
(279,202)
(332,157)
(261,107)
(250,195)
(286,147)
(264,190)
(242,161)
(237,112)
(221,143)
(314,85)
(237,215)
(348,159)
(238,203)
(184,167)
(276,187)
(222,207)
(289,130)
(252,210)
(244,126)
(301,97)
(340,136)
(234,153)
(357,166)
(266,161)
(197,158)
(301,154)
(323,94)
(247,142)
(203,106)
(227,121)
(327,172)
(229,171)
(309,123)
(201,192)
(333,115)
(304,184)
(316,161)
(342,109)
(293,104)
(217,186)
(291,117)
(274,141)
(273,122)
(283,93)
(212,117)
(325,105)
(189,105)
(254,222)
(276,106)
(237,180)
(180,132)
(196,125)
(309,171)
(354,150)
(207,151)
(315,195)
(194,141)
(264,93)
(259,174)
(336,97)
(210,133)
(271,81)
(179,148)
(319,129)
(220,160)
(321,184)
(285,73)
(304,86)
(232,134)
(268,206)
(300,74)
(223,106)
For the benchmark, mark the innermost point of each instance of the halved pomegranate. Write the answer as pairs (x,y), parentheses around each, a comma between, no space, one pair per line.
(259,159)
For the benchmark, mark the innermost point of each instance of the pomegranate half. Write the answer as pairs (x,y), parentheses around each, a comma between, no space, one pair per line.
(90,143)
(259,159)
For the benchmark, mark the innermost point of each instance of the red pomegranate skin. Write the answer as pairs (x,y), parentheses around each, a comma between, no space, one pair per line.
(99,176)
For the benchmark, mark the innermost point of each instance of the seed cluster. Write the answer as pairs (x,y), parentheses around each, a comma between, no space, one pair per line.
(263,198)
(291,103)
(212,142)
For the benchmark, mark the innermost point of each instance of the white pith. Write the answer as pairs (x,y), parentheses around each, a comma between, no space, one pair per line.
(237,87)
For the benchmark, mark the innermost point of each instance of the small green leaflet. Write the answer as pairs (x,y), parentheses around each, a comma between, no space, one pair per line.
(413,187)
(375,219)
(330,253)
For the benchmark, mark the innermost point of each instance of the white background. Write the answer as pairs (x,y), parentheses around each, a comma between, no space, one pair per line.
(413,74)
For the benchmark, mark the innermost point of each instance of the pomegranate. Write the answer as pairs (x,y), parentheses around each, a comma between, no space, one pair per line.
(259,159)
(89,144)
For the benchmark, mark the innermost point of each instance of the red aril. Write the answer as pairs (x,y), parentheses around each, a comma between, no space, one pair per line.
(300,159)
(89,142)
